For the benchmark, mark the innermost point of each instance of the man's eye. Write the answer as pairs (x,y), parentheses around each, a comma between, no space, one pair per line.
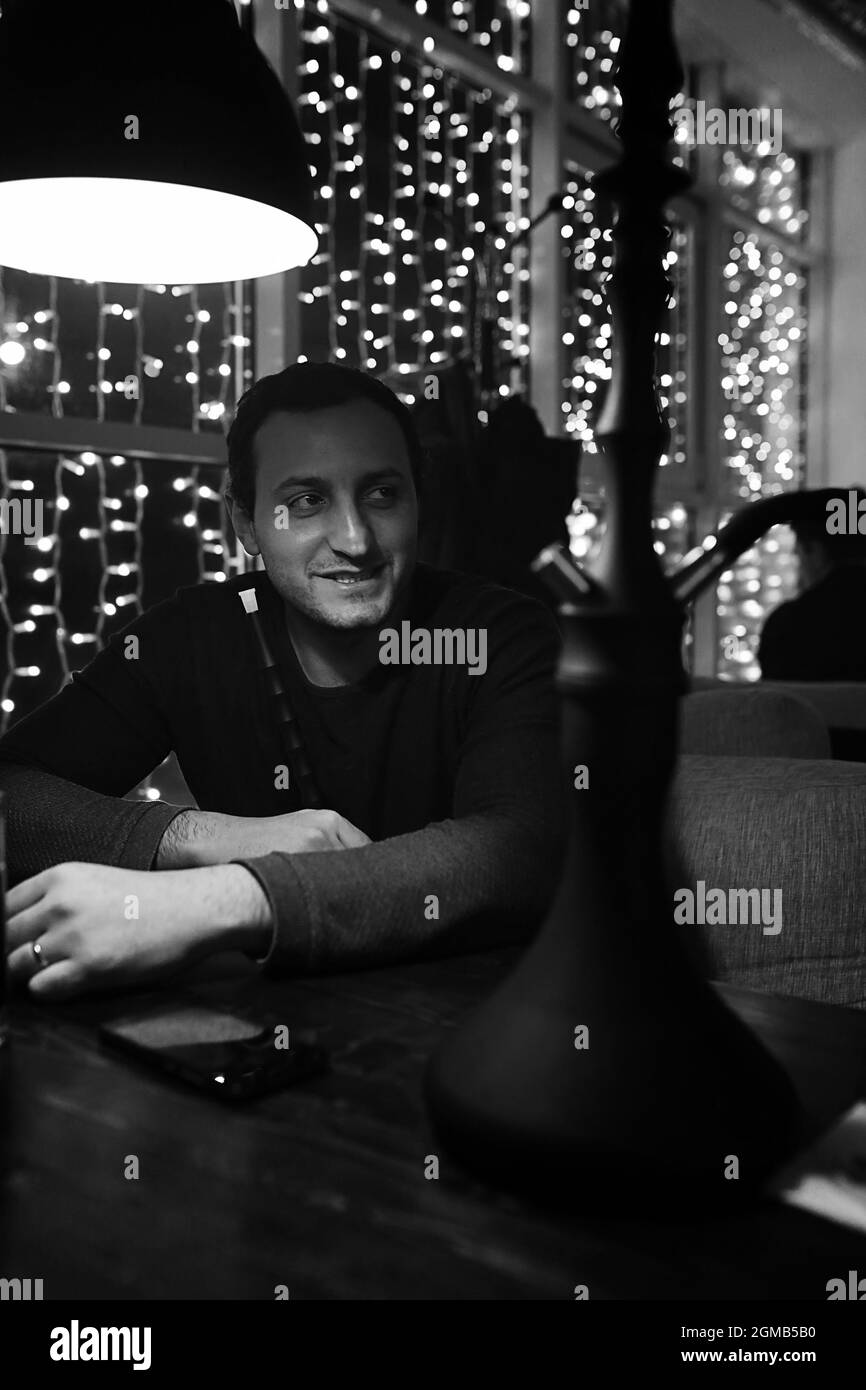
(305,502)
(386,493)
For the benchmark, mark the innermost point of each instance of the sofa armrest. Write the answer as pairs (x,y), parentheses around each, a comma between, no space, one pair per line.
(797,825)
(752,721)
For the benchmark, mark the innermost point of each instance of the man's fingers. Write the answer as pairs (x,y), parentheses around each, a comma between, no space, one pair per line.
(58,981)
(336,832)
(27,893)
(344,834)
(25,926)
(350,836)
(21,964)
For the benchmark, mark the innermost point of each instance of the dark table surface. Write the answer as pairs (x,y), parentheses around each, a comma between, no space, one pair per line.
(322,1187)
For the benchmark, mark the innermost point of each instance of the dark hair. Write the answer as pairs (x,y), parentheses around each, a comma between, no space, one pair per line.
(302,387)
(840,549)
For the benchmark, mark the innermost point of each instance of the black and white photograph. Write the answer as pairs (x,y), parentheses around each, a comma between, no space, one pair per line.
(432,674)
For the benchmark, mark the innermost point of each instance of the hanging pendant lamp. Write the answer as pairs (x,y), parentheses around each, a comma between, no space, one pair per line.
(146,144)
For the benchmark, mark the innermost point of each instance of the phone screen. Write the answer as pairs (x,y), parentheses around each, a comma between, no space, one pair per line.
(221,1052)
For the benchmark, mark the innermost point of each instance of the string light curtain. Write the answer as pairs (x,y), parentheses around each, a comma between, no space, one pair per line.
(500,29)
(119,533)
(415,169)
(592,39)
(141,354)
(763,361)
(588,253)
(592,43)
(761,350)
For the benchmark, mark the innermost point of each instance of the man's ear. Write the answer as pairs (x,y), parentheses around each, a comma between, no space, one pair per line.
(242,524)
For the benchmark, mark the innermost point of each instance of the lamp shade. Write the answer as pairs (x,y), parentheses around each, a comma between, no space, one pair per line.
(147,143)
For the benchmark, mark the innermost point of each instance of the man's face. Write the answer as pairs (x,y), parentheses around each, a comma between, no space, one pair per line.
(336,514)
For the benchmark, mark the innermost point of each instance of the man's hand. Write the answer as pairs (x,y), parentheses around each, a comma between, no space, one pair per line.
(99,927)
(195,839)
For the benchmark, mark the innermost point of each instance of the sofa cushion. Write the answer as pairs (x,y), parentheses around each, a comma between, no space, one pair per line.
(752,721)
(797,825)
(841,704)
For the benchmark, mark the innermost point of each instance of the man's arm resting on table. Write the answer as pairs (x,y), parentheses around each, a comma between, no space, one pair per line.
(197,839)
(51,820)
(246,923)
(482,877)
(185,839)
(80,915)
(454,886)
(243,920)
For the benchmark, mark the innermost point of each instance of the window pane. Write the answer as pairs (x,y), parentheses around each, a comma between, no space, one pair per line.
(588,251)
(419,175)
(168,355)
(763,358)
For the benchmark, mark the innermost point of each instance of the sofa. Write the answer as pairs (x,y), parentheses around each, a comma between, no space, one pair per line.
(841,705)
(758,801)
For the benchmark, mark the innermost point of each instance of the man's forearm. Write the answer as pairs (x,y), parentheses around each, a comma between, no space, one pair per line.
(455,885)
(485,876)
(53,821)
(184,841)
(233,912)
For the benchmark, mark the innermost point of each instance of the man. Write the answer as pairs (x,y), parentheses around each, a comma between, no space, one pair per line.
(444,826)
(818,636)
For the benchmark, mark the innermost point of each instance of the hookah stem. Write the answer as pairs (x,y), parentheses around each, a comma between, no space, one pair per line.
(298,765)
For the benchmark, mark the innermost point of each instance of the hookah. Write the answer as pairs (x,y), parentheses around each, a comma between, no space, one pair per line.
(605,1064)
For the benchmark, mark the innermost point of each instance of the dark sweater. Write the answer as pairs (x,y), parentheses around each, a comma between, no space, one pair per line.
(819,636)
(455,777)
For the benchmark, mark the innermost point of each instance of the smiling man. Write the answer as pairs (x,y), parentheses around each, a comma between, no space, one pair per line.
(444,826)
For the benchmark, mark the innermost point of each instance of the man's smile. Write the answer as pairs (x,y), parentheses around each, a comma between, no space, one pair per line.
(354,578)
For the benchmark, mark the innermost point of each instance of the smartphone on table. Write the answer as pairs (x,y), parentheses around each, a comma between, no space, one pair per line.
(219,1052)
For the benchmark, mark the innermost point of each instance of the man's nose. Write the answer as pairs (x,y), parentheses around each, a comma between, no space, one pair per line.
(350,532)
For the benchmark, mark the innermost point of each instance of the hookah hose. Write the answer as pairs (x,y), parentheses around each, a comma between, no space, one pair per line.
(299,768)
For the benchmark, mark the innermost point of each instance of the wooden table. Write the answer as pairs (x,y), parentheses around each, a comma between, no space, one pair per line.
(321,1188)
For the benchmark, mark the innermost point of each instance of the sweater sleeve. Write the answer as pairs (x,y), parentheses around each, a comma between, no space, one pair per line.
(66,767)
(485,875)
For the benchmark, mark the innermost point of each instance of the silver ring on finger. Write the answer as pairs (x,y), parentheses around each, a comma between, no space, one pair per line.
(39,954)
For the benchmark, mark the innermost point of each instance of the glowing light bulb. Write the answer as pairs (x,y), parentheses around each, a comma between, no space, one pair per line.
(12,353)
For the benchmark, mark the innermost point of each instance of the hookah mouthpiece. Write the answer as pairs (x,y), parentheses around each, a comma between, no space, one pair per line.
(298,766)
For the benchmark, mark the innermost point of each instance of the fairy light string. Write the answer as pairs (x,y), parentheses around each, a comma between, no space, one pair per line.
(146,363)
(423,166)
